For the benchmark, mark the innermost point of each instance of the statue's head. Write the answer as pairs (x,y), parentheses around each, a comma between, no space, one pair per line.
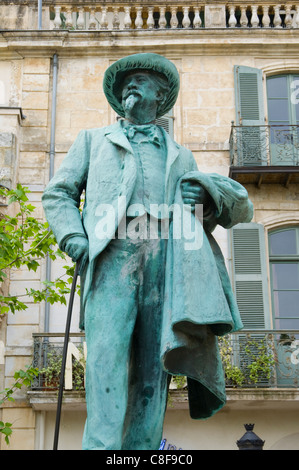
(147,82)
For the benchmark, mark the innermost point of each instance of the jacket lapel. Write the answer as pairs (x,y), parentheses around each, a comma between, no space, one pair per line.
(116,135)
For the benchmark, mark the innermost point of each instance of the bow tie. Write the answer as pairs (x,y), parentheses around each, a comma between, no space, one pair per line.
(149,130)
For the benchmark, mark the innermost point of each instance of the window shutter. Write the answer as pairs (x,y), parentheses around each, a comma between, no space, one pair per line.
(249,96)
(251,141)
(250,275)
(166,122)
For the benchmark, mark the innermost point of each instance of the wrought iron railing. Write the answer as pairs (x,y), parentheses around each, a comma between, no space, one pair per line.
(261,358)
(252,358)
(47,357)
(273,145)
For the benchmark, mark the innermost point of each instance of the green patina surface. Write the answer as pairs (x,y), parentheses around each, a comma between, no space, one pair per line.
(150,307)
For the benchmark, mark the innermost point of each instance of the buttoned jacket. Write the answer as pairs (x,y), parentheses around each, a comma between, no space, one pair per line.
(101,162)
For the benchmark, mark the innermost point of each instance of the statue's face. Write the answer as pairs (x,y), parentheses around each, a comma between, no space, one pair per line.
(140,96)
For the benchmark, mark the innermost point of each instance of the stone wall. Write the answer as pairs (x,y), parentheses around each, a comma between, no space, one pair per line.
(8,158)
(14,17)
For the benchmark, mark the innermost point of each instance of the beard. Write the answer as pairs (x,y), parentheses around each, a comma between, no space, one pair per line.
(130,101)
(137,108)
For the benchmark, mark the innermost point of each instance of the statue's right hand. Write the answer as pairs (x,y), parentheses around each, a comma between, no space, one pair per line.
(77,249)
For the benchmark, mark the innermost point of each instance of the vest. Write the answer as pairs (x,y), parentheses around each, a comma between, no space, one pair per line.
(150,161)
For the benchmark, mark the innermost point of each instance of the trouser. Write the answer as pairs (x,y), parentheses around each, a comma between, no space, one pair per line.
(126,386)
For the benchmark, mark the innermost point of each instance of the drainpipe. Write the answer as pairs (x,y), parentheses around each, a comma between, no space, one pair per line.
(41,429)
(53,116)
(40,11)
(51,172)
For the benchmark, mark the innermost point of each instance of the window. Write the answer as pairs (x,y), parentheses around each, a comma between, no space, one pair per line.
(259,143)
(283,117)
(283,104)
(251,286)
(284,272)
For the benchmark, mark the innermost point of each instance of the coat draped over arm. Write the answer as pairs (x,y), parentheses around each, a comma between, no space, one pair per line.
(199,302)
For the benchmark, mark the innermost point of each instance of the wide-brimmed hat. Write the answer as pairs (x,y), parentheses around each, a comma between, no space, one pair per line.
(150,62)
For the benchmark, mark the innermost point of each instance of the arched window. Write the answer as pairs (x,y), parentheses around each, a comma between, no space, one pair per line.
(283,100)
(283,118)
(257,142)
(284,273)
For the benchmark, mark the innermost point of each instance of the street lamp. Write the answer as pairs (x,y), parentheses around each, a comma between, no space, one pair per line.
(250,441)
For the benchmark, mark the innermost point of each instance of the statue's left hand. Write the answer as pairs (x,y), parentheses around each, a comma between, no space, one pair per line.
(193,193)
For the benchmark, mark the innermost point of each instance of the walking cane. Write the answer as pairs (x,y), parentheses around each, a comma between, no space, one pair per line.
(65,345)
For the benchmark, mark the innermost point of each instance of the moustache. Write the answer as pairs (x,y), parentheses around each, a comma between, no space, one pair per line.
(131,92)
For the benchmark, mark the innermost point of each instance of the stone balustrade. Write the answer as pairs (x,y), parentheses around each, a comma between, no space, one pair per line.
(263,16)
(126,17)
(150,15)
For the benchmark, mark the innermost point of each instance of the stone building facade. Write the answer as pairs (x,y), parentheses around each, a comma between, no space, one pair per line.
(237,111)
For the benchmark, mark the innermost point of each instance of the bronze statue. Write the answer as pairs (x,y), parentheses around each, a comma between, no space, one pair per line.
(151,305)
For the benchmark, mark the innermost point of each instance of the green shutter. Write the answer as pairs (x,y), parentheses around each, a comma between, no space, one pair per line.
(249,96)
(251,140)
(250,275)
(166,122)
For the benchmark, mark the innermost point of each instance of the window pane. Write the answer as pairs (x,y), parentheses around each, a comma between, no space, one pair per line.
(294,94)
(283,243)
(282,324)
(285,276)
(286,303)
(277,87)
(278,110)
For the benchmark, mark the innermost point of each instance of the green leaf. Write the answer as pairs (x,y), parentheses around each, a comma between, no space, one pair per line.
(4,310)
(33,265)
(6,430)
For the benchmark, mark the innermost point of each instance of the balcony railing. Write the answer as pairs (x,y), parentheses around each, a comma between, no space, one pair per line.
(255,358)
(262,16)
(276,145)
(47,357)
(172,16)
(127,15)
(261,358)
